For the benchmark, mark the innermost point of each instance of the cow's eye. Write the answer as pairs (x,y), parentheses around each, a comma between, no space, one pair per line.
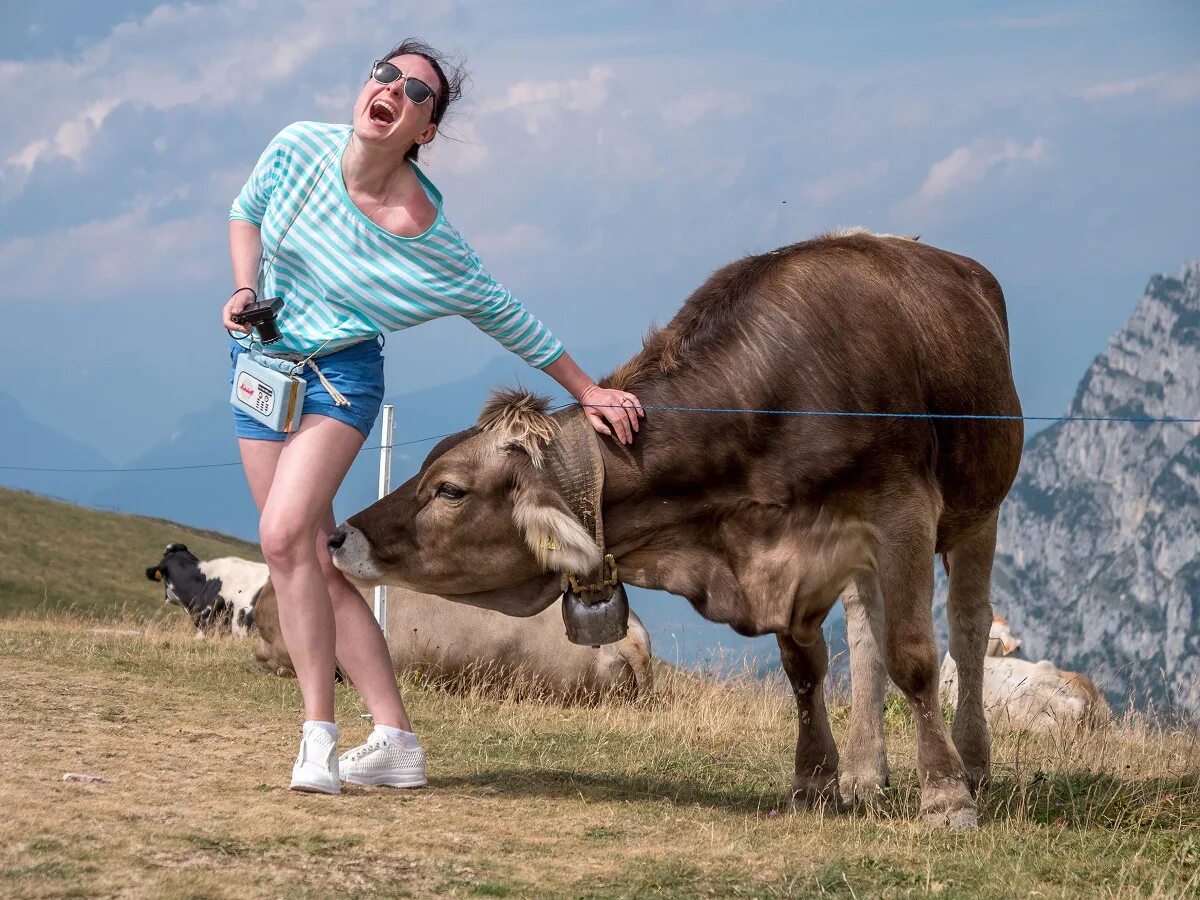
(449,491)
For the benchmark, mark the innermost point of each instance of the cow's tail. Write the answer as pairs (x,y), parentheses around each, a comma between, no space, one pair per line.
(635,650)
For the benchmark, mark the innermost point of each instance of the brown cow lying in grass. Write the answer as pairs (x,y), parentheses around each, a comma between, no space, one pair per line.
(467,646)
(1036,696)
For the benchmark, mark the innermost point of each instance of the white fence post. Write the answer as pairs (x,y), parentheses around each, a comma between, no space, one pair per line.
(385,488)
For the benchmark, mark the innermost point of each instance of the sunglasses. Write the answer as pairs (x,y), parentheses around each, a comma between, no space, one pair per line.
(414,88)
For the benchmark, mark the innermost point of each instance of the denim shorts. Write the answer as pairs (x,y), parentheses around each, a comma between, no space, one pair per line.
(356,371)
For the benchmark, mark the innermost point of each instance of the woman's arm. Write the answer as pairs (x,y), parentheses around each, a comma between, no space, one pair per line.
(245,252)
(496,312)
(604,407)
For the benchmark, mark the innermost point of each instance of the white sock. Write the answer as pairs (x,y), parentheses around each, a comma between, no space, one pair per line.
(314,725)
(406,739)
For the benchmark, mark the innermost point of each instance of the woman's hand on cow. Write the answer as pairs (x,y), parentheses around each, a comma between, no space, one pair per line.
(241,298)
(612,412)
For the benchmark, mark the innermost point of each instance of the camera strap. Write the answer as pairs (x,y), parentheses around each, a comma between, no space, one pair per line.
(265,265)
(270,388)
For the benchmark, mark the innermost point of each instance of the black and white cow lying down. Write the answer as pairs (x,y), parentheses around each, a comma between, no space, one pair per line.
(219,594)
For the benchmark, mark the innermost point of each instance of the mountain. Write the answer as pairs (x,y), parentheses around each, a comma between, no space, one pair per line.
(28,443)
(1098,560)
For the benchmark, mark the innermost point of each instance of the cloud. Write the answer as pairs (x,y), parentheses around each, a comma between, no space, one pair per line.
(70,140)
(685,111)
(539,101)
(824,190)
(203,57)
(1180,86)
(970,165)
(116,258)
(172,240)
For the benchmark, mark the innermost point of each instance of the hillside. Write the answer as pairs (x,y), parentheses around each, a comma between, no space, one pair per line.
(56,555)
(39,534)
(1098,562)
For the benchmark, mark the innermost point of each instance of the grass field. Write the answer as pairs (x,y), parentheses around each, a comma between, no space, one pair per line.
(682,795)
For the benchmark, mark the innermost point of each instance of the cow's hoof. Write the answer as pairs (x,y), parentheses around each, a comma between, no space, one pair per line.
(949,806)
(863,786)
(819,794)
(955,820)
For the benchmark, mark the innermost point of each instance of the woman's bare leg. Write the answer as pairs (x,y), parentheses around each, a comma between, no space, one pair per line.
(309,470)
(360,646)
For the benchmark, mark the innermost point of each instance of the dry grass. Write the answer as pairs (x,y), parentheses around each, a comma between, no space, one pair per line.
(680,795)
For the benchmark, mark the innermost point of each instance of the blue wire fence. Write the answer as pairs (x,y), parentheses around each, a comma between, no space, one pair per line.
(1137,420)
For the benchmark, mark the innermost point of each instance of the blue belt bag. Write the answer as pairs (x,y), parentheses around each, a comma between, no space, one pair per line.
(269,390)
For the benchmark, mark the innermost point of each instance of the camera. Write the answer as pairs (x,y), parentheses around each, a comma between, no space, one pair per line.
(261,317)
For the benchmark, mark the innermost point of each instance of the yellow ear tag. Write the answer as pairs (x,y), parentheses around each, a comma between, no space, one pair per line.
(158,575)
(552,544)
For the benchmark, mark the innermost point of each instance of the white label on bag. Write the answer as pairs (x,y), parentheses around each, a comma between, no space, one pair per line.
(255,394)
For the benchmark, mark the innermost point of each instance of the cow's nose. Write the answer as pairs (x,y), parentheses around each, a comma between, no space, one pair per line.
(337,539)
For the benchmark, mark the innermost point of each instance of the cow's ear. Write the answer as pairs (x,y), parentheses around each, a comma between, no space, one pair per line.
(154,573)
(558,541)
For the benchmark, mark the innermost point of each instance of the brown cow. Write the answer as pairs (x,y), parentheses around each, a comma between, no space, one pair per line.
(1036,696)
(460,645)
(761,521)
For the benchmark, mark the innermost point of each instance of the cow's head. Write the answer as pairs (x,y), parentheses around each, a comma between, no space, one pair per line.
(186,586)
(1001,640)
(481,523)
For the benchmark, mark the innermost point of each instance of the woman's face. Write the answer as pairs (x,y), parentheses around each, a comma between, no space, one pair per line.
(385,117)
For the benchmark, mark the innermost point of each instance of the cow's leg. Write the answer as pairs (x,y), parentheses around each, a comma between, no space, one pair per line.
(905,561)
(815,784)
(969,609)
(864,762)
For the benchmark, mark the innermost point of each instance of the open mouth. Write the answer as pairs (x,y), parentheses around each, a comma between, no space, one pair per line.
(381,113)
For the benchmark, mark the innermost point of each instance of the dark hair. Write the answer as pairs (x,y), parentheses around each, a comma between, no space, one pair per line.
(450,86)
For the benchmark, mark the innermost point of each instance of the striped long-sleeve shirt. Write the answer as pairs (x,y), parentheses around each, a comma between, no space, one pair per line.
(344,278)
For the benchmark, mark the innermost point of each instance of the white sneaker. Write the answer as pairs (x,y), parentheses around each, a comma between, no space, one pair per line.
(382,762)
(316,768)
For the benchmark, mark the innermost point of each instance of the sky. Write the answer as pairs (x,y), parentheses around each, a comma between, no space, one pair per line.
(606,159)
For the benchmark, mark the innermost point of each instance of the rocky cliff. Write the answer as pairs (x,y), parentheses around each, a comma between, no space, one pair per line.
(1098,563)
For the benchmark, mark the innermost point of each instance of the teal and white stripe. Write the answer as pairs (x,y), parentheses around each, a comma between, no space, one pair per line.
(344,278)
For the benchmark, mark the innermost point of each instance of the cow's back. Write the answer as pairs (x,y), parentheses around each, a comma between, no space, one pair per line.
(911,328)
(844,323)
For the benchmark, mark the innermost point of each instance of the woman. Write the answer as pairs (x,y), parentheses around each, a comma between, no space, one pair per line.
(339,221)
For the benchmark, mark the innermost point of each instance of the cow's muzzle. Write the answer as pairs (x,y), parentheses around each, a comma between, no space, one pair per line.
(351,553)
